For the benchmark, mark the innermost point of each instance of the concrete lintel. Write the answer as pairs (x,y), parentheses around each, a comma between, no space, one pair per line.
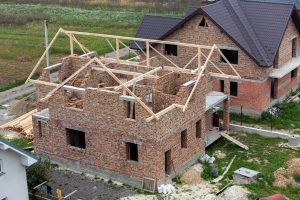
(189,83)
(127,98)
(72,88)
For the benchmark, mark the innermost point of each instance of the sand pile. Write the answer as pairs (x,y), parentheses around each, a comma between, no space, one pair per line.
(284,176)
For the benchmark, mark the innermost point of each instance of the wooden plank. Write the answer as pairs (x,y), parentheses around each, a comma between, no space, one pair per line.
(140,48)
(224,57)
(110,44)
(128,48)
(116,71)
(117,50)
(225,172)
(164,111)
(164,56)
(43,56)
(138,78)
(68,79)
(231,139)
(71,45)
(190,61)
(127,89)
(225,76)
(198,79)
(148,53)
(138,39)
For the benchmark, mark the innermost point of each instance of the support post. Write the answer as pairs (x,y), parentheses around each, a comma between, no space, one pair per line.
(46,43)
(199,58)
(226,106)
(148,53)
(71,45)
(117,50)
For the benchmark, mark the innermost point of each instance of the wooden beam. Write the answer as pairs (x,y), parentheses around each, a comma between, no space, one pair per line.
(43,56)
(138,78)
(148,53)
(116,71)
(164,111)
(140,48)
(225,76)
(117,50)
(163,56)
(127,89)
(71,45)
(110,44)
(139,39)
(224,57)
(198,79)
(199,58)
(190,61)
(67,80)
(128,48)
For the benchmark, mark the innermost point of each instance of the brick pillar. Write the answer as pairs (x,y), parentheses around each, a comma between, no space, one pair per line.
(226,106)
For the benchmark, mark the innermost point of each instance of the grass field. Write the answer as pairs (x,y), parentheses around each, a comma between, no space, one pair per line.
(264,155)
(22,39)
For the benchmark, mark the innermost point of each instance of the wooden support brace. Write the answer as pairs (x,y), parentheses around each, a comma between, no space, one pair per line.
(190,61)
(224,57)
(71,45)
(124,72)
(164,111)
(118,50)
(43,56)
(127,89)
(110,44)
(140,48)
(128,48)
(164,56)
(148,53)
(198,79)
(138,78)
(67,80)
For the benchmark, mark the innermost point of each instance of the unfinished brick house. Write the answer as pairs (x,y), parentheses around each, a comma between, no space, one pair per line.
(259,38)
(127,120)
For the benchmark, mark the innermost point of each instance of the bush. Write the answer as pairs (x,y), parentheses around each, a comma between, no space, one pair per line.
(38,173)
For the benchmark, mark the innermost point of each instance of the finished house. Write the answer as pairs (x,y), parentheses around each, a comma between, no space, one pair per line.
(13,163)
(259,38)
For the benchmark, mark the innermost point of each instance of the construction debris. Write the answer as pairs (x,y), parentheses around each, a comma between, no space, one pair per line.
(225,172)
(22,125)
(166,189)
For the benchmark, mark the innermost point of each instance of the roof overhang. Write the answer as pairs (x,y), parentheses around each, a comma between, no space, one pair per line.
(27,159)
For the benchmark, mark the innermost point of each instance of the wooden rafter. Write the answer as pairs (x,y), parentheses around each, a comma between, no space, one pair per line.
(116,71)
(43,56)
(224,57)
(138,78)
(128,48)
(67,80)
(198,79)
(163,56)
(126,88)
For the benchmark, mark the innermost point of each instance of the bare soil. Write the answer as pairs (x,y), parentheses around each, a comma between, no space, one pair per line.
(284,176)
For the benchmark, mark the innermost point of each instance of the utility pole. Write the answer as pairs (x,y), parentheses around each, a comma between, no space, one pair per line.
(46,42)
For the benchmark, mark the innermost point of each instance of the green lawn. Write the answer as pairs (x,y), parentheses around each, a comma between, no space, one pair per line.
(22,35)
(263,155)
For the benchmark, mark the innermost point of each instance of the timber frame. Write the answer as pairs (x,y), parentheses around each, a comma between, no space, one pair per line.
(152,73)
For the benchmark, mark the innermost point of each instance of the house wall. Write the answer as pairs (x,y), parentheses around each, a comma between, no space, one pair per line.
(107,130)
(13,184)
(255,87)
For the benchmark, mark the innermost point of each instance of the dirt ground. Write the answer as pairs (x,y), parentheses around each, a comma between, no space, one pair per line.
(284,176)
(23,106)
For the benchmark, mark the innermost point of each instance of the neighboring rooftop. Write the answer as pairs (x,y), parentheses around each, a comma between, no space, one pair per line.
(27,159)
(238,19)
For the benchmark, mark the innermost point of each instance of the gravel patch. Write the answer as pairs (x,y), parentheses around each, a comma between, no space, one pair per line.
(88,187)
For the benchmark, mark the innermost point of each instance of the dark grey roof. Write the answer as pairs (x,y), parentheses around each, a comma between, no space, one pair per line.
(154,27)
(18,149)
(296,2)
(256,27)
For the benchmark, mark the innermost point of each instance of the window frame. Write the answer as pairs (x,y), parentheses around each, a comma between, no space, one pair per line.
(235,92)
(232,60)
(294,73)
(183,138)
(169,51)
(70,132)
(294,47)
(198,129)
(130,157)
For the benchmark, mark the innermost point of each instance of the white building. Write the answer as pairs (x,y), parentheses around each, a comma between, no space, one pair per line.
(13,163)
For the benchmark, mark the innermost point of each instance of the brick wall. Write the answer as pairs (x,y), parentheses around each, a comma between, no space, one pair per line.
(103,119)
